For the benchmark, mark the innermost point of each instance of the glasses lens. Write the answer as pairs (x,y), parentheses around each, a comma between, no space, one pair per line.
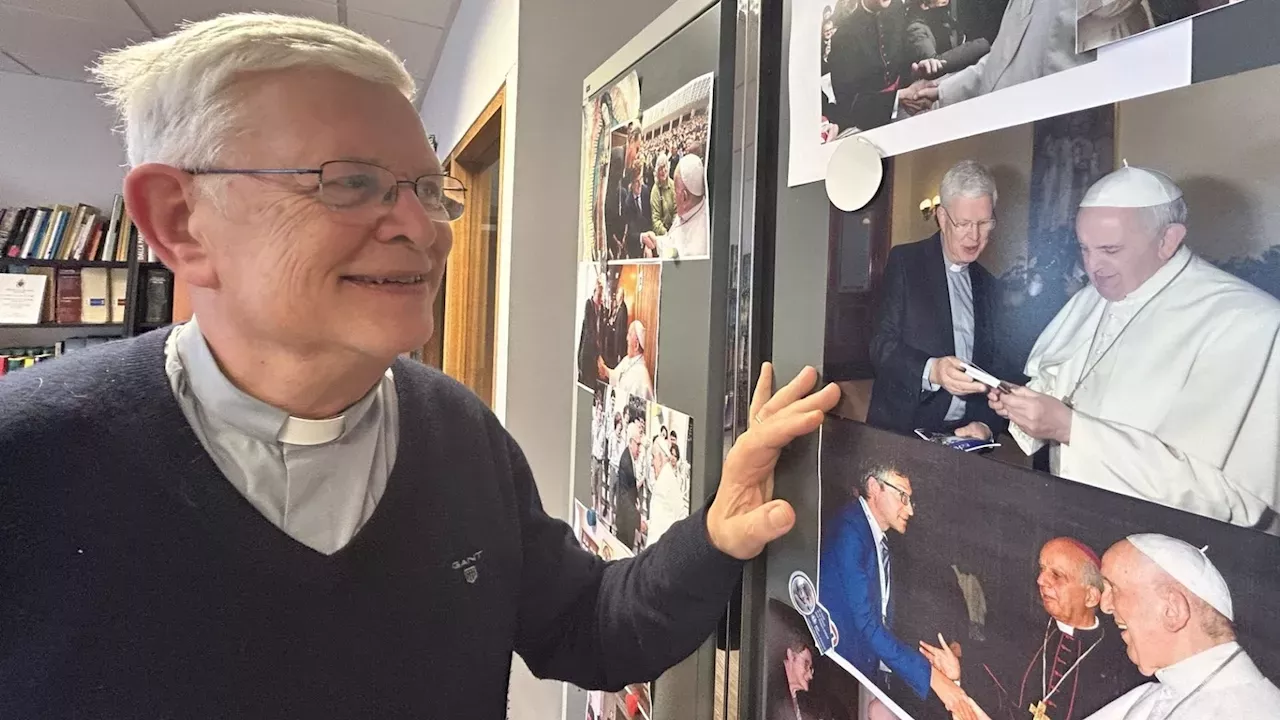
(443,196)
(346,184)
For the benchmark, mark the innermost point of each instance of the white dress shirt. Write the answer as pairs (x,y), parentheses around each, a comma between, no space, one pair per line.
(960,290)
(317,480)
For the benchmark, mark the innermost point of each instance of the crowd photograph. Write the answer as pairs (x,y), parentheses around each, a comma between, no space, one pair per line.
(654,202)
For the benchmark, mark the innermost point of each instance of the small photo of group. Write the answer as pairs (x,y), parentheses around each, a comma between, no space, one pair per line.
(641,465)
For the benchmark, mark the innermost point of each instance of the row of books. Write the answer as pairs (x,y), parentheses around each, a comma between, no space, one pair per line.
(96,295)
(70,232)
(12,359)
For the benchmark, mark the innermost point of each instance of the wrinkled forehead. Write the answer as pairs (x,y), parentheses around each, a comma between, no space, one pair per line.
(305,116)
(1112,225)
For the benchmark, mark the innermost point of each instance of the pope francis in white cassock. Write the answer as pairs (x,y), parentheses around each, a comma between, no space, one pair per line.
(1161,379)
(1176,618)
(690,233)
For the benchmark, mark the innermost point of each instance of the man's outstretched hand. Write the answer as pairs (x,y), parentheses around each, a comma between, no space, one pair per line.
(744,516)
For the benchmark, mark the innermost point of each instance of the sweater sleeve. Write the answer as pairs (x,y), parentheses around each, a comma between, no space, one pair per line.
(604,625)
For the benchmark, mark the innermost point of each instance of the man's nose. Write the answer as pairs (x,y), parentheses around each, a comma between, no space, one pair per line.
(1108,603)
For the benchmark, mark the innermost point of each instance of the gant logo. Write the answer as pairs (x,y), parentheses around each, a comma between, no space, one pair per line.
(469,566)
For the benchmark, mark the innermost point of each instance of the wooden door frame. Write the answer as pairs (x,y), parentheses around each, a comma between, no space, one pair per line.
(469,308)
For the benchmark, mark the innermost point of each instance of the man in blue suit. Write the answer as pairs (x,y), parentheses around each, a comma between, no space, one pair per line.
(856,587)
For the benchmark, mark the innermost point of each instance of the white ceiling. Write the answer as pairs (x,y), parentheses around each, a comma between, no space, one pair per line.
(60,38)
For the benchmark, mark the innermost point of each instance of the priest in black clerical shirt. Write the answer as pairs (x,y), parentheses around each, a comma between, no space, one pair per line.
(1073,663)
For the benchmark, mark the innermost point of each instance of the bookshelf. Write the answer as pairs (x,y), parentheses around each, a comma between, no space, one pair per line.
(102,282)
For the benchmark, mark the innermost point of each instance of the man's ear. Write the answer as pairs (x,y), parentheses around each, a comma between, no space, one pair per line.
(160,199)
(1171,239)
(1092,597)
(1175,611)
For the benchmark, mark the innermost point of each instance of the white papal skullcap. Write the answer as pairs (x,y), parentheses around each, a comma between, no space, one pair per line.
(691,174)
(1189,566)
(1132,187)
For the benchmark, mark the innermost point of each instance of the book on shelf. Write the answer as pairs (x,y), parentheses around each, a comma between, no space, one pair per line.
(81,295)
(17,358)
(79,233)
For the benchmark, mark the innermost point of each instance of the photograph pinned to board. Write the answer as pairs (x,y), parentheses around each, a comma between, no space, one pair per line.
(1176,404)
(932,103)
(617,105)
(1102,22)
(640,466)
(953,579)
(617,320)
(665,497)
(800,680)
(634,702)
(880,61)
(655,199)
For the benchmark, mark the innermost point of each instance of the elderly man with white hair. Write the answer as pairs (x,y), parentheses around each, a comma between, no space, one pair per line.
(1174,612)
(690,233)
(267,511)
(1161,379)
(631,374)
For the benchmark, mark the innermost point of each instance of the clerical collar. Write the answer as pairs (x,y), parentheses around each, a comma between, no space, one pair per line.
(1159,280)
(246,413)
(1071,629)
(1186,674)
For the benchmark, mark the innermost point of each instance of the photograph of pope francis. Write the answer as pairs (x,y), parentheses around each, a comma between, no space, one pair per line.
(1132,277)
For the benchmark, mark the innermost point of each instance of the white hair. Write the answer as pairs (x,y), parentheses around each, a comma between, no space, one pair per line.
(173,95)
(1159,217)
(967,178)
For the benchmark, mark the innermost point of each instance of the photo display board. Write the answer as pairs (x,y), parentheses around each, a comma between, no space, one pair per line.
(1050,490)
(648,382)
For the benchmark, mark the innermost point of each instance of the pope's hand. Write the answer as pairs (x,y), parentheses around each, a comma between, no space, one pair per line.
(744,517)
(1041,416)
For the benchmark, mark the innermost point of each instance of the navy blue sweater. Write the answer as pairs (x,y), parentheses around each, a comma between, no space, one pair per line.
(136,582)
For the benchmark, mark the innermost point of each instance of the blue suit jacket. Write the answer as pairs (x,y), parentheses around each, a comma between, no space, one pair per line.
(850,590)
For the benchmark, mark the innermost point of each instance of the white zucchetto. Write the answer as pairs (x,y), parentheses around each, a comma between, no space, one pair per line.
(691,174)
(1132,187)
(1189,566)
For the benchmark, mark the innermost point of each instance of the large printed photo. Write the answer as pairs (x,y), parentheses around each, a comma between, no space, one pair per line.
(1093,297)
(955,582)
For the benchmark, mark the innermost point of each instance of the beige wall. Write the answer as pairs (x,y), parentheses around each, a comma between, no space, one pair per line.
(1007,152)
(1220,141)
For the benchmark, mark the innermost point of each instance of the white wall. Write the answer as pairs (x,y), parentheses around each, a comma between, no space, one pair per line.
(56,144)
(479,55)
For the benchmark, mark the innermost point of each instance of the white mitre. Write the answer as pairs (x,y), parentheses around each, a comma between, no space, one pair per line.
(1132,187)
(1189,566)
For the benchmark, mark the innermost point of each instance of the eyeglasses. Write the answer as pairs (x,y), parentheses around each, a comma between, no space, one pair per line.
(902,494)
(357,187)
(982,226)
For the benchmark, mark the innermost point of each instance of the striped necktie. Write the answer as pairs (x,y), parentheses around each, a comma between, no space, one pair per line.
(885,577)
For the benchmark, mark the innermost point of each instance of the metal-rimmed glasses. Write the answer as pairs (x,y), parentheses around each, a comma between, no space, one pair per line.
(906,499)
(354,186)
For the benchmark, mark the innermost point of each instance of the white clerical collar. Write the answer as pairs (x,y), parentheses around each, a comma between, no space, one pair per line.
(1071,629)
(246,413)
(1157,281)
(1186,674)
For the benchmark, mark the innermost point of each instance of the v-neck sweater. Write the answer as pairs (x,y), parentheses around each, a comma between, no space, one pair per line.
(137,582)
